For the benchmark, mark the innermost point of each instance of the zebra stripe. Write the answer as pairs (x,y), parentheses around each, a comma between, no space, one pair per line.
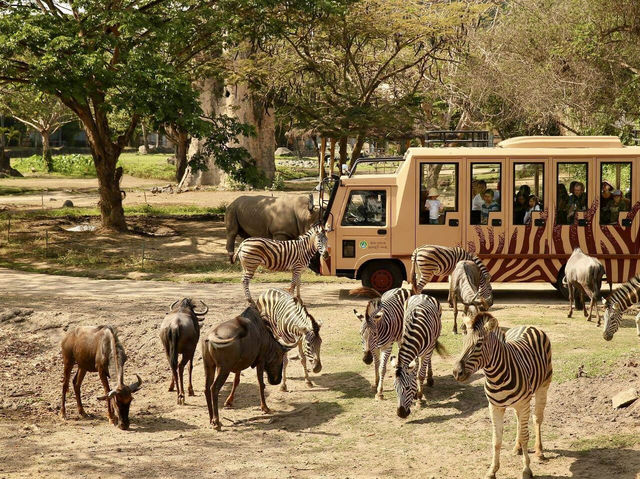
(294,255)
(517,367)
(291,323)
(625,296)
(381,327)
(422,324)
(433,260)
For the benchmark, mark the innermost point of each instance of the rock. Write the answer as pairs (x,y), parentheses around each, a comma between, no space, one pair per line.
(53,199)
(67,204)
(282,151)
(142,150)
(624,398)
(172,160)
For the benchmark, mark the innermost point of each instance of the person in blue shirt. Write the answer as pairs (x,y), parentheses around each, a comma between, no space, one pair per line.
(488,206)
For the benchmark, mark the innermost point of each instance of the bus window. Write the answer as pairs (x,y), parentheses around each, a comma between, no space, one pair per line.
(485,191)
(572,192)
(528,183)
(615,193)
(366,208)
(438,191)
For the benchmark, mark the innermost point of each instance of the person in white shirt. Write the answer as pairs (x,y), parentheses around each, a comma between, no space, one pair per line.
(434,206)
(478,200)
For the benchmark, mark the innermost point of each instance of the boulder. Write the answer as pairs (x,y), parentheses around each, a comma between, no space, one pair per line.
(142,150)
(67,204)
(624,398)
(283,151)
(171,160)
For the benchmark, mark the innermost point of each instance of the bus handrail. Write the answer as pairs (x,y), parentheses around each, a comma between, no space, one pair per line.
(370,159)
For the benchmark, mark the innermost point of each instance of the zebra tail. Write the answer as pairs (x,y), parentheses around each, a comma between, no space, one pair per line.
(368,292)
(412,274)
(441,350)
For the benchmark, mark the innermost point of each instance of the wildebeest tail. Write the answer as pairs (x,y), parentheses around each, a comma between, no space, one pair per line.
(441,350)
(173,348)
(578,297)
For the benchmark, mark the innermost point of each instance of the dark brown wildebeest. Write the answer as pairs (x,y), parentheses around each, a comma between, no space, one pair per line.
(93,348)
(179,333)
(583,274)
(242,342)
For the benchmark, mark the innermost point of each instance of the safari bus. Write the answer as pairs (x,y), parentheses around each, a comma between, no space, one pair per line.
(522,207)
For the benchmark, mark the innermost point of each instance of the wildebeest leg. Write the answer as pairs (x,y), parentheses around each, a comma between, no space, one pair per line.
(175,381)
(232,232)
(172,385)
(585,291)
(77,382)
(591,294)
(66,374)
(570,289)
(497,420)
(105,385)
(303,361)
(232,394)
(221,377)
(191,392)
(181,366)
(263,403)
(285,363)
(638,324)
(210,374)
(384,359)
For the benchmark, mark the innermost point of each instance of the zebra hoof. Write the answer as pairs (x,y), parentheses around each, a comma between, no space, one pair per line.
(517,451)
(379,397)
(540,457)
(527,474)
(430,382)
(309,384)
(283,388)
(490,475)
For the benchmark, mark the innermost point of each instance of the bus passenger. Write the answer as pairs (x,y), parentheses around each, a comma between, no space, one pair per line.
(606,200)
(519,209)
(488,206)
(577,200)
(534,205)
(616,205)
(434,206)
(480,186)
(562,205)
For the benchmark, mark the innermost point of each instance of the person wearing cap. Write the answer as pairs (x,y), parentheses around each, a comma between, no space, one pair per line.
(616,205)
(434,206)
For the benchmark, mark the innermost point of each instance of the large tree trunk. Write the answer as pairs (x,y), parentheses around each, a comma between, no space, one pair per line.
(110,202)
(145,138)
(357,149)
(46,150)
(182,146)
(342,149)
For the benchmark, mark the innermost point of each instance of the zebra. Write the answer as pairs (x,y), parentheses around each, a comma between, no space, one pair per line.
(291,323)
(464,287)
(517,367)
(433,260)
(275,255)
(422,324)
(381,326)
(617,303)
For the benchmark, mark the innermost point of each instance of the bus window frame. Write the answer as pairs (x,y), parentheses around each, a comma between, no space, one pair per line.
(622,162)
(586,189)
(514,191)
(500,181)
(456,164)
(376,189)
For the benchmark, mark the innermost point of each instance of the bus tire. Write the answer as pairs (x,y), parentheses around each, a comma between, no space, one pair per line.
(382,276)
(560,286)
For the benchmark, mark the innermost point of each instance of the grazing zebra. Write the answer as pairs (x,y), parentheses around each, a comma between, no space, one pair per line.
(422,325)
(517,367)
(432,260)
(275,255)
(617,303)
(290,322)
(381,326)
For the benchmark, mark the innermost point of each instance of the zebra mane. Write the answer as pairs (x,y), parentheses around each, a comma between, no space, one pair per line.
(479,320)
(303,309)
(621,295)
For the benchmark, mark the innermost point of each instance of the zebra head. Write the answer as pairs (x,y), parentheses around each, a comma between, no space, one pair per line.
(406,387)
(612,319)
(311,342)
(475,349)
(369,328)
(320,240)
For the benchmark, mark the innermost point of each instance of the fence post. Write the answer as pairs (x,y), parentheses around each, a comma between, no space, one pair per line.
(46,243)
(8,228)
(142,254)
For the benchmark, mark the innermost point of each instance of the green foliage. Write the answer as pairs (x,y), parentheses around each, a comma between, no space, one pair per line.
(66,165)
(278,182)
(147,166)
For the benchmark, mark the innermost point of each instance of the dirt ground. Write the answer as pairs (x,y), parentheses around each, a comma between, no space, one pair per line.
(335,429)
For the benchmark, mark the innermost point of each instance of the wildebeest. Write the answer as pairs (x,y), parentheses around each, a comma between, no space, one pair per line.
(583,274)
(179,333)
(464,286)
(235,345)
(94,349)
(279,218)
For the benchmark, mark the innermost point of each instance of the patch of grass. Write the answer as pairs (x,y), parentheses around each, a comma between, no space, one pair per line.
(134,210)
(291,173)
(16,190)
(611,441)
(148,166)
(74,165)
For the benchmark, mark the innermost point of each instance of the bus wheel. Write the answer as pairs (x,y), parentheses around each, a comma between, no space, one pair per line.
(560,286)
(382,276)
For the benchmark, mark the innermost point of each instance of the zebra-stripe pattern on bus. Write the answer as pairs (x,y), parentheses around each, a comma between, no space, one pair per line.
(381,326)
(422,325)
(517,367)
(274,255)
(617,303)
(433,260)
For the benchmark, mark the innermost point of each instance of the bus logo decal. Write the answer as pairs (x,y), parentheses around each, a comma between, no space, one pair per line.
(363,244)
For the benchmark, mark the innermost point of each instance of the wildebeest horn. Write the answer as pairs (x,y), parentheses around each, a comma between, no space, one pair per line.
(110,394)
(173,304)
(133,387)
(206,309)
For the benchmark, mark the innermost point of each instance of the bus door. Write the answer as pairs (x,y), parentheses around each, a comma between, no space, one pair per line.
(439,219)
(617,229)
(485,217)
(572,214)
(528,229)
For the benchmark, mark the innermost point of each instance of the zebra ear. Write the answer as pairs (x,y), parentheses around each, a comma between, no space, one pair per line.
(393,361)
(491,324)
(358,315)
(412,366)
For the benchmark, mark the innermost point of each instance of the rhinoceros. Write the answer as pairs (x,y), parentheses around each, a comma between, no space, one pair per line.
(280,218)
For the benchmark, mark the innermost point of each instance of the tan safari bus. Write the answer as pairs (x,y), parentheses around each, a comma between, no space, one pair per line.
(522,206)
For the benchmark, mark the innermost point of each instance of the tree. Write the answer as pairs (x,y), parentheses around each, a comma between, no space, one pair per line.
(99,58)
(44,113)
